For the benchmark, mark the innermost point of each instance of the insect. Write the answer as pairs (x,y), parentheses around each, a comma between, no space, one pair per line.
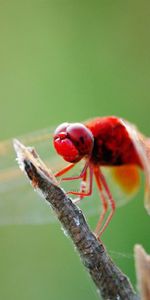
(18,203)
(110,142)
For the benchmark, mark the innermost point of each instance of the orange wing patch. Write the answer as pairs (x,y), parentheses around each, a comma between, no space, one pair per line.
(127,177)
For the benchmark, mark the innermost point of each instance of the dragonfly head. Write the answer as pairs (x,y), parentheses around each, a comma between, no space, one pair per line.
(73,141)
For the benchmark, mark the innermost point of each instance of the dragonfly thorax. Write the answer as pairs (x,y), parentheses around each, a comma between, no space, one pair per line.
(112,143)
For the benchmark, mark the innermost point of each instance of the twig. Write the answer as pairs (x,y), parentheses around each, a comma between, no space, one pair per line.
(110,281)
(142,260)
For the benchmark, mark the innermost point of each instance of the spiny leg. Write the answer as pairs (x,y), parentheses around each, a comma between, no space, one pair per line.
(64,170)
(103,199)
(81,175)
(110,199)
(82,193)
(83,186)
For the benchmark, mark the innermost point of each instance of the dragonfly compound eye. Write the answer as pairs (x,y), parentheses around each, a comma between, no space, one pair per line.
(82,138)
(63,145)
(73,141)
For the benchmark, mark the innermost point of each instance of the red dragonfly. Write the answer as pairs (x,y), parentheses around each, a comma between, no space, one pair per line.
(107,141)
(112,150)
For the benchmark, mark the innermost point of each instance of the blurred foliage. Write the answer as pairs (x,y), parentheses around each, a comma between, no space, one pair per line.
(61,61)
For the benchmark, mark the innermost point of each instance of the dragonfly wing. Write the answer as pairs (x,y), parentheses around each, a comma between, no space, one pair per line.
(142,146)
(36,138)
(123,181)
(18,202)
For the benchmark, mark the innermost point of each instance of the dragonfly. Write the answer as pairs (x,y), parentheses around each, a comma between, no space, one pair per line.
(107,141)
(117,181)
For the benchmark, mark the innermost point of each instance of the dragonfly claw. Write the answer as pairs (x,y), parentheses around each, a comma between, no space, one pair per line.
(76,200)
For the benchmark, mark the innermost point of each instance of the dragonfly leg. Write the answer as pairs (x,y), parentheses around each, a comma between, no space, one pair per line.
(103,199)
(82,192)
(64,170)
(81,175)
(110,200)
(83,186)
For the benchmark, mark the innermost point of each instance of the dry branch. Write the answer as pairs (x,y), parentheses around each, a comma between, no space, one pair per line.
(142,260)
(110,281)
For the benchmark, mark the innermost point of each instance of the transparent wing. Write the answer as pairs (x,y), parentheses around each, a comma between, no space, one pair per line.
(18,202)
(142,146)
(123,182)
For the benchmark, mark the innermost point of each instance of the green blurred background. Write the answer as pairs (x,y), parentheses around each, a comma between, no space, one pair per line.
(68,60)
